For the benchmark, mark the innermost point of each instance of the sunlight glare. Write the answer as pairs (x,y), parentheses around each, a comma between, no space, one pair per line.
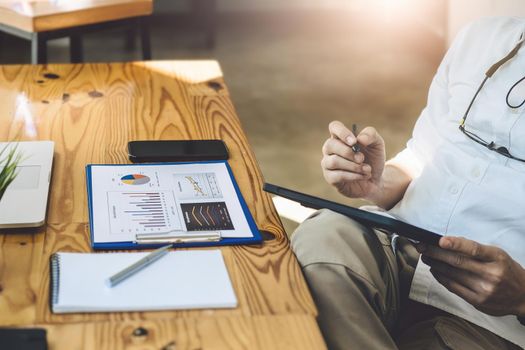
(291,210)
(23,113)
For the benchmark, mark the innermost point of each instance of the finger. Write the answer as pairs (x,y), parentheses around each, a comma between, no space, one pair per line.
(470,248)
(369,136)
(340,131)
(455,259)
(338,147)
(335,162)
(465,278)
(335,177)
(456,288)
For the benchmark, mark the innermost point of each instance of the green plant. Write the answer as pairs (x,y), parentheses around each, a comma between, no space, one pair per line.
(10,157)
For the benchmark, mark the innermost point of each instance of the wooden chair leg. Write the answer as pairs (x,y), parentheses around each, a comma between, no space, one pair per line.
(38,49)
(145,38)
(76,51)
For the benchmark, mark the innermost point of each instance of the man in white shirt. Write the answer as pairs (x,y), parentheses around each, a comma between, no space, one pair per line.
(462,175)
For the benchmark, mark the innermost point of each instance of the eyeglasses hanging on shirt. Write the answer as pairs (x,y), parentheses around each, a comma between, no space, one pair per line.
(513,87)
(492,145)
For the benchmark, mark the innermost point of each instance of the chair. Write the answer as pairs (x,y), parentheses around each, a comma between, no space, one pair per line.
(43,20)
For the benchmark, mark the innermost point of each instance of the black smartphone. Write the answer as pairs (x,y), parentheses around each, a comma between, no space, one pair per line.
(176,151)
(23,338)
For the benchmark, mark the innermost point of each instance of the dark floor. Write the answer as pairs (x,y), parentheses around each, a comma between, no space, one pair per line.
(291,74)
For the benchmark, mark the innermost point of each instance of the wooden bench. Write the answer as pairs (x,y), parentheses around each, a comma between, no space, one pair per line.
(42,20)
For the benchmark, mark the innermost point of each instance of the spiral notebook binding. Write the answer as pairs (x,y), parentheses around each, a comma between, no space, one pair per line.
(55,278)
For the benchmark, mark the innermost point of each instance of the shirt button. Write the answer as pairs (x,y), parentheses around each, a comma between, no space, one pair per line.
(453,189)
(476,172)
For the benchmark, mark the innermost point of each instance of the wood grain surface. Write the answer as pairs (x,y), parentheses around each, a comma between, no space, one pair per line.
(254,333)
(46,15)
(91,111)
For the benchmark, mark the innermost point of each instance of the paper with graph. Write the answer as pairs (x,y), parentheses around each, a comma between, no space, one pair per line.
(155,199)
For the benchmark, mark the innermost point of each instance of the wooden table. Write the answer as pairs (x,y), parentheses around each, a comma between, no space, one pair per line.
(42,20)
(91,111)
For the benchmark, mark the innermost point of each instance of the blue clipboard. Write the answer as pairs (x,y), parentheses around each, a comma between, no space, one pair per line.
(256,239)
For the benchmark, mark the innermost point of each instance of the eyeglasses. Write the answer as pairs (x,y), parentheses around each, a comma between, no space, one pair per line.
(471,135)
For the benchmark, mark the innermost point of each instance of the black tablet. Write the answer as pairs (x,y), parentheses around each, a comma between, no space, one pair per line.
(367,218)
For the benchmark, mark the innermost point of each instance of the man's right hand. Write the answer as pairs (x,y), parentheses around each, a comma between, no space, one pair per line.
(356,175)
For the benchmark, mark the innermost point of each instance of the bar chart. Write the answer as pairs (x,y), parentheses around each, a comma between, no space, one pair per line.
(142,212)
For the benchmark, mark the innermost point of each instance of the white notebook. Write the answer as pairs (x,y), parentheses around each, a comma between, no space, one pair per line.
(192,279)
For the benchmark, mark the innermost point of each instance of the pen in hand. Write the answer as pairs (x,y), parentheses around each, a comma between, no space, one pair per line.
(356,148)
(137,266)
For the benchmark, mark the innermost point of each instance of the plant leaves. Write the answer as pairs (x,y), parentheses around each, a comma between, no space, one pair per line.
(9,166)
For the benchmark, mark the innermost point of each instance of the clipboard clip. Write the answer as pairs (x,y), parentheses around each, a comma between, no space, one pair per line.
(186,237)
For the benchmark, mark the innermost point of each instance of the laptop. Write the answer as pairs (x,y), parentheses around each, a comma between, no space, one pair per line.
(24,202)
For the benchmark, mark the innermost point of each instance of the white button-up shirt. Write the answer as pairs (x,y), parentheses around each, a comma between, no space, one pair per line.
(461,188)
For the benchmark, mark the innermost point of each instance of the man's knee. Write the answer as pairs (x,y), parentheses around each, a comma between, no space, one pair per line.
(328,237)
(344,260)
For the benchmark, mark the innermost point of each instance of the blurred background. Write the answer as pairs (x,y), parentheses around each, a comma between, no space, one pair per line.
(293,66)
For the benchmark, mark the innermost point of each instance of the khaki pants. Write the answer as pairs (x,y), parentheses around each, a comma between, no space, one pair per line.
(361,290)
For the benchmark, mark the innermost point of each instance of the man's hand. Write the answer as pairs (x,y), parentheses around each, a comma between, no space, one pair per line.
(485,276)
(356,175)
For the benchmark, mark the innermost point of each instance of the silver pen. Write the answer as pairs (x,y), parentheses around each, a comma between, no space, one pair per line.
(356,147)
(205,236)
(137,266)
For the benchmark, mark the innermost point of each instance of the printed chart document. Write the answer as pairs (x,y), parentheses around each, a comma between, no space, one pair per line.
(190,279)
(163,200)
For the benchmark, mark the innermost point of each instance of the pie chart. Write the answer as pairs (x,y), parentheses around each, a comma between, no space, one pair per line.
(135,179)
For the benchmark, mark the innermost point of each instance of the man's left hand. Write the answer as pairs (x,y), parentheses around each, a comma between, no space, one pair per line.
(485,276)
